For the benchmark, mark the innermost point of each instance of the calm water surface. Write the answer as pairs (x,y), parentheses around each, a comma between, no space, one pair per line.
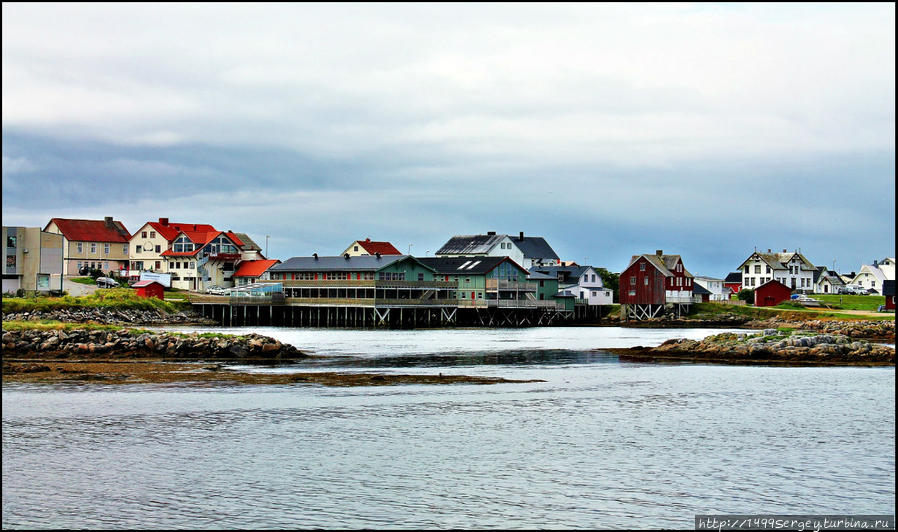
(599,444)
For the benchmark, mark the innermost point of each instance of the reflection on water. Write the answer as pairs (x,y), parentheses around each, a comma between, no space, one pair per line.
(598,444)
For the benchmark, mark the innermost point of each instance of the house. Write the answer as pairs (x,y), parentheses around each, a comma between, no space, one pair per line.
(149,288)
(827,281)
(582,281)
(873,275)
(715,287)
(790,268)
(888,290)
(546,285)
(847,277)
(700,294)
(196,255)
(527,251)
(652,283)
(34,260)
(733,281)
(95,244)
(485,281)
(772,293)
(370,247)
(251,271)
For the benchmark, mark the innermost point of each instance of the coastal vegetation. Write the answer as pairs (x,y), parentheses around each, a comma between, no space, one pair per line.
(112,298)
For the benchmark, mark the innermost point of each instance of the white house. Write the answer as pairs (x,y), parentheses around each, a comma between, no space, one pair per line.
(528,251)
(790,268)
(581,281)
(872,275)
(827,281)
(718,292)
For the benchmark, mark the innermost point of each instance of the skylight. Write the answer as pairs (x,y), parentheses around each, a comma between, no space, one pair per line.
(462,267)
(475,264)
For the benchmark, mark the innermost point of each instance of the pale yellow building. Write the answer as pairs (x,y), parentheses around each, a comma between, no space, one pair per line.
(34,260)
(98,244)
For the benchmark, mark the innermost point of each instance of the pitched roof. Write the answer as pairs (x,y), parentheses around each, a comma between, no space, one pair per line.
(248,243)
(535,247)
(699,289)
(373,246)
(536,275)
(477,265)
(733,277)
(339,263)
(778,261)
(145,282)
(254,268)
(663,263)
(469,244)
(91,230)
(888,287)
(201,239)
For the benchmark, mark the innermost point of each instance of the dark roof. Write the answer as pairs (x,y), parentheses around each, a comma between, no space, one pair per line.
(733,277)
(465,265)
(888,288)
(535,247)
(248,243)
(538,275)
(699,289)
(469,244)
(338,263)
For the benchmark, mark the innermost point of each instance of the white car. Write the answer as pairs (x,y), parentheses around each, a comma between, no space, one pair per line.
(215,290)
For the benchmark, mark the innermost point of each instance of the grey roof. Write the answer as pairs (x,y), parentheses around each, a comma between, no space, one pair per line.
(733,277)
(463,265)
(538,276)
(664,263)
(338,263)
(469,244)
(699,289)
(567,271)
(535,247)
(248,243)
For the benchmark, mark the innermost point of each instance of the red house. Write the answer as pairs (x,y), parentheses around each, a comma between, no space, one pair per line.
(888,290)
(149,289)
(652,281)
(733,281)
(771,293)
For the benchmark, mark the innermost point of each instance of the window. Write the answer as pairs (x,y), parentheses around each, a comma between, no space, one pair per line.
(646,281)
(80,247)
(10,241)
(631,293)
(79,265)
(125,249)
(152,234)
(593,278)
(190,265)
(138,249)
(581,294)
(757,268)
(355,248)
(158,249)
(768,269)
(143,234)
(93,247)
(633,281)
(420,276)
(642,266)
(158,265)
(593,293)
(746,269)
(106,248)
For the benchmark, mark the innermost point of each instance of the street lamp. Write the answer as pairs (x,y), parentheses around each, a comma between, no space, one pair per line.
(266,246)
(410,248)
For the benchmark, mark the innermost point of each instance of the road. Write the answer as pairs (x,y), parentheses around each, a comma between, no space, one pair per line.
(77,289)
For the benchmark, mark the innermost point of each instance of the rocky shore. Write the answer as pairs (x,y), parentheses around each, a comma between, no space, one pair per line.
(112,316)
(770,346)
(876,330)
(124,344)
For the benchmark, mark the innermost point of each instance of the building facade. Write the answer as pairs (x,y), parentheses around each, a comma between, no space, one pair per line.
(34,260)
(789,268)
(95,244)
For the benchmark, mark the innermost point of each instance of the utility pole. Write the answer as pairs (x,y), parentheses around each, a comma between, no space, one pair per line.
(266,245)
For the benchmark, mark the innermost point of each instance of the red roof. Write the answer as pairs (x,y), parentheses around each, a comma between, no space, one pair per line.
(147,282)
(201,239)
(384,248)
(91,230)
(254,268)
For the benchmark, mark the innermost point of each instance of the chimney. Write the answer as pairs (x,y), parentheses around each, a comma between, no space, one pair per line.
(659,252)
(521,236)
(769,251)
(368,240)
(490,233)
(163,221)
(377,254)
(784,251)
(346,256)
(315,255)
(108,221)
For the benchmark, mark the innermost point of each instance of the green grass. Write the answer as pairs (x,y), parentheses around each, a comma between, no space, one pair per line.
(83,280)
(117,298)
(851,302)
(45,325)
(787,310)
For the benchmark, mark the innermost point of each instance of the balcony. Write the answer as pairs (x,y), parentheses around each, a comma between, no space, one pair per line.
(501,284)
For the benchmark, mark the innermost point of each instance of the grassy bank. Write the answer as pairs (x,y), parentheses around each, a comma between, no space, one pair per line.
(113,298)
(786,311)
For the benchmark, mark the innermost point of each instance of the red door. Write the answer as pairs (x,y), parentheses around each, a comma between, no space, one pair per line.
(472,296)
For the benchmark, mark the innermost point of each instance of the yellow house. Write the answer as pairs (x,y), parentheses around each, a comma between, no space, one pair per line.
(98,244)
(370,247)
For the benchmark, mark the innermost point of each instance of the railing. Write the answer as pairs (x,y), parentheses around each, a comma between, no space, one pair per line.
(468,303)
(415,284)
(501,284)
(208,298)
(330,301)
(679,299)
(511,303)
(416,302)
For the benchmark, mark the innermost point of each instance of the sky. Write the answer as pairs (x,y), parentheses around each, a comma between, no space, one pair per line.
(704,130)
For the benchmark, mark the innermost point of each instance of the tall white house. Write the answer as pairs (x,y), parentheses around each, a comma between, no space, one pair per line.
(790,268)
(873,275)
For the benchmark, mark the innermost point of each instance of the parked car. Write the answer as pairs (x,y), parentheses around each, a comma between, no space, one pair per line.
(106,282)
(215,290)
(854,289)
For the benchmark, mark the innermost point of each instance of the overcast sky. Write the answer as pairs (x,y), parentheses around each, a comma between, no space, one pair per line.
(611,130)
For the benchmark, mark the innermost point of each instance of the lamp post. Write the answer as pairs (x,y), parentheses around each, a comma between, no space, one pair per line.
(266,245)
(410,248)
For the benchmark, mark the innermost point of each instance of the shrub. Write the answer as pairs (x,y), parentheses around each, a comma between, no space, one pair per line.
(747,295)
